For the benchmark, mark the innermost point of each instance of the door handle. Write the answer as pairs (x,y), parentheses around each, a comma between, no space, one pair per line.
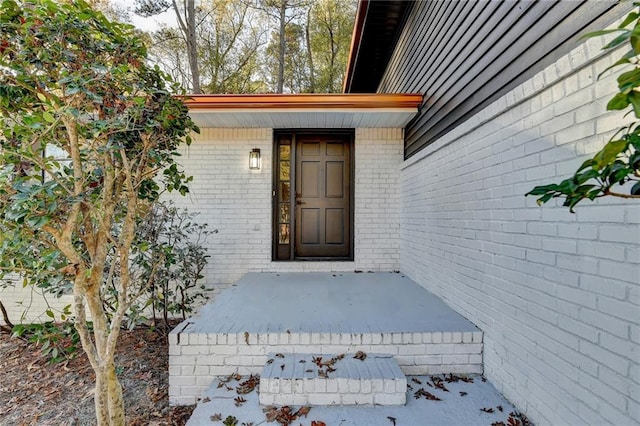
(298,202)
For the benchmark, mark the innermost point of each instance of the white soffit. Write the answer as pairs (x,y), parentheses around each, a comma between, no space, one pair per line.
(318,111)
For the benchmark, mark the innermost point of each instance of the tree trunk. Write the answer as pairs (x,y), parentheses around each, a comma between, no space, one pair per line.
(108,399)
(5,316)
(283,10)
(192,46)
(312,77)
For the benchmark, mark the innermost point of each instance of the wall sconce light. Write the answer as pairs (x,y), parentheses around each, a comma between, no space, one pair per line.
(254,159)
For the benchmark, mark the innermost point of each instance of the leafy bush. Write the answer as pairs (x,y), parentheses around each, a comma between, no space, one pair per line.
(168,254)
(57,341)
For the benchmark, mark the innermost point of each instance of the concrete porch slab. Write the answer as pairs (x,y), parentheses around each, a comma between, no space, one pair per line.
(465,403)
(319,313)
(327,302)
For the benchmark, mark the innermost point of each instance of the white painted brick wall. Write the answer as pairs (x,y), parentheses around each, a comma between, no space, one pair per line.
(28,305)
(196,359)
(556,294)
(237,202)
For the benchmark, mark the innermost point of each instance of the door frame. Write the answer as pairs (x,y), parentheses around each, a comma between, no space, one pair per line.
(279,252)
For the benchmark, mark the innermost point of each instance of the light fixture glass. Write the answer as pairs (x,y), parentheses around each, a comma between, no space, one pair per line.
(254,159)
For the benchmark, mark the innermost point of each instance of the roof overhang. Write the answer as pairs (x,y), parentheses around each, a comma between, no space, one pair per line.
(375,33)
(303,110)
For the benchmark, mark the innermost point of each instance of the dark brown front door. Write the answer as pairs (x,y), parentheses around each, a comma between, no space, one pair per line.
(320,197)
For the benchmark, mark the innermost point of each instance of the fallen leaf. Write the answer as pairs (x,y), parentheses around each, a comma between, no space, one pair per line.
(303,411)
(279,356)
(318,423)
(499,407)
(415,380)
(437,383)
(216,417)
(428,395)
(271,415)
(248,385)
(239,401)
(246,337)
(270,361)
(206,399)
(360,355)
(392,419)
(302,361)
(282,367)
(463,394)
(487,410)
(452,378)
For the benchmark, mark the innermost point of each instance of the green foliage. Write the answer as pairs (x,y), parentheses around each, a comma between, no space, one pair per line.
(168,253)
(57,341)
(618,162)
(65,63)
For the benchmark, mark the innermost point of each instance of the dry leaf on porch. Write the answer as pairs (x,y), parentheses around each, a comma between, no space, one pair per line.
(303,411)
(452,378)
(239,401)
(463,394)
(271,413)
(428,395)
(392,420)
(415,380)
(514,422)
(216,417)
(279,356)
(437,382)
(360,355)
(248,385)
(487,410)
(318,423)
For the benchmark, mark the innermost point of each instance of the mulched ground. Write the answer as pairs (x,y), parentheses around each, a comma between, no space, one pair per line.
(35,392)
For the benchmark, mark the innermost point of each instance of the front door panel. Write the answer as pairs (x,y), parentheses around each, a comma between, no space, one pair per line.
(322,198)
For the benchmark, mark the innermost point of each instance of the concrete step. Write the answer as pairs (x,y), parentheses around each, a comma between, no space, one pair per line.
(306,379)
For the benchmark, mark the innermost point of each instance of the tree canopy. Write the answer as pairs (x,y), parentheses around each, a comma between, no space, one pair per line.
(255,46)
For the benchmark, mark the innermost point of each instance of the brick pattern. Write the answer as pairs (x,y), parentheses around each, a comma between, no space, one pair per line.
(28,305)
(556,294)
(293,379)
(195,359)
(237,202)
